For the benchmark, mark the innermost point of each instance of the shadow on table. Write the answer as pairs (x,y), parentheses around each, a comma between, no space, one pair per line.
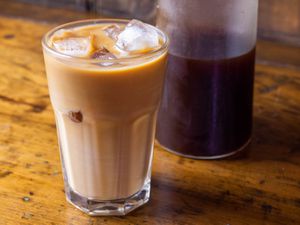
(171,204)
(272,140)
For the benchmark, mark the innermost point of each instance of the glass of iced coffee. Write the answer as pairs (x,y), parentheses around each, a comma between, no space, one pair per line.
(105,80)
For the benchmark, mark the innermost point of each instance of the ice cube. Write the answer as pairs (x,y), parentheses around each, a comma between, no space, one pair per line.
(137,36)
(75,116)
(74,46)
(113,31)
(103,54)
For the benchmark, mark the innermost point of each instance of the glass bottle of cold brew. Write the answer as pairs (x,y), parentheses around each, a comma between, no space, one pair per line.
(206,110)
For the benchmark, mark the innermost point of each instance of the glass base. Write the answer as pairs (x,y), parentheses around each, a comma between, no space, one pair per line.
(119,207)
(227,155)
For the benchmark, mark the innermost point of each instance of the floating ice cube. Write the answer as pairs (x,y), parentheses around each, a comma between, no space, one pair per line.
(137,36)
(103,54)
(74,46)
(75,116)
(113,31)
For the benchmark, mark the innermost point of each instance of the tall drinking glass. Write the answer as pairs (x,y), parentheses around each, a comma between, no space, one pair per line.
(105,113)
(206,110)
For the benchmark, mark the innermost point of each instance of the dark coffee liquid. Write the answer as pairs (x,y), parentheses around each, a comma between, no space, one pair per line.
(206,109)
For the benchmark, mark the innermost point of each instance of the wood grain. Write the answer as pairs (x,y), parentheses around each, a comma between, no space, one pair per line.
(260,187)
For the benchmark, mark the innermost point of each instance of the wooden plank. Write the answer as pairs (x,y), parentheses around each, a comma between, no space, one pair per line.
(272,53)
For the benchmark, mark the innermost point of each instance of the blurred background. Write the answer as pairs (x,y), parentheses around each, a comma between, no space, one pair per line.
(141,9)
(279,20)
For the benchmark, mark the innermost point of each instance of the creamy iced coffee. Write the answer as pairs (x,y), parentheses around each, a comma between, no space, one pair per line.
(105,81)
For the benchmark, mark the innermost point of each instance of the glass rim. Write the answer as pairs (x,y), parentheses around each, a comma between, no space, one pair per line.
(150,54)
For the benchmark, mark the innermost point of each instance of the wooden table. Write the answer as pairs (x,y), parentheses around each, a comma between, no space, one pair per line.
(260,187)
